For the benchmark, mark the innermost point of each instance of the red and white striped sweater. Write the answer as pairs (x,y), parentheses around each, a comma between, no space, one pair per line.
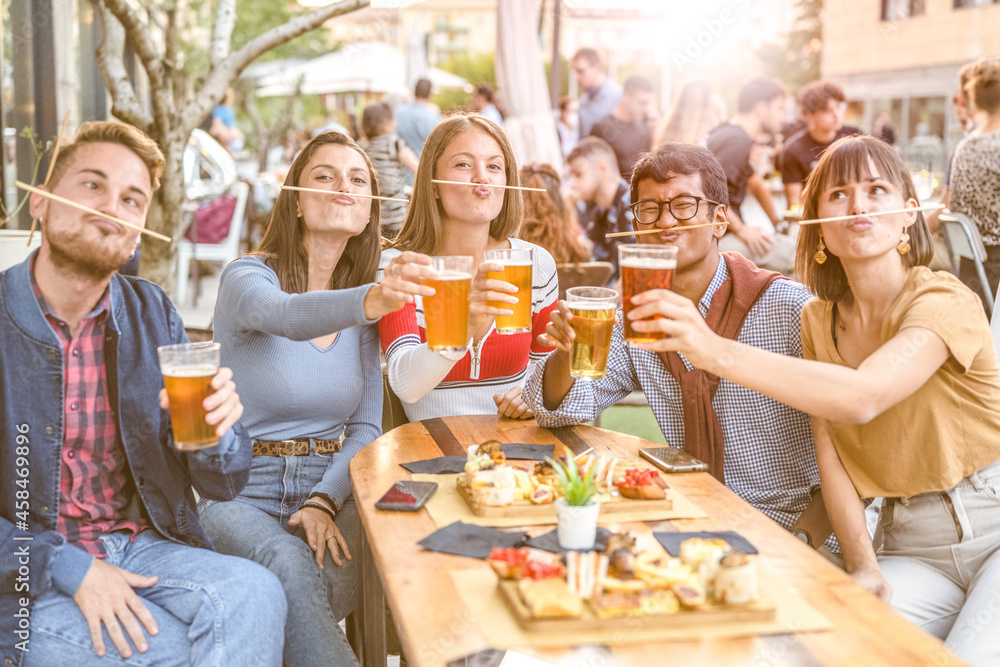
(431,385)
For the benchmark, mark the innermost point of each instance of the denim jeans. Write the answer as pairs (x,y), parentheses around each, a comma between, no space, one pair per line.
(255,526)
(941,555)
(210,609)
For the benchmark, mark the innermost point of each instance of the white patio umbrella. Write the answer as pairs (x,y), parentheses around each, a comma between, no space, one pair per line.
(522,85)
(365,66)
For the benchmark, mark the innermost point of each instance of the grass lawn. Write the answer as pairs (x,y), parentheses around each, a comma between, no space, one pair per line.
(635,420)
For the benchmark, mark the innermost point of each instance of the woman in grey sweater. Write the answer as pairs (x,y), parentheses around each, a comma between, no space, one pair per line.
(296,323)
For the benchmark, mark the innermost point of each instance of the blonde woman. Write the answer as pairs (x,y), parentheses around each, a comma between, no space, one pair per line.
(467,220)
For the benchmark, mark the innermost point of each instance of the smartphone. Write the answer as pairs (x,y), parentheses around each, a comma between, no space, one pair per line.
(406,496)
(672,459)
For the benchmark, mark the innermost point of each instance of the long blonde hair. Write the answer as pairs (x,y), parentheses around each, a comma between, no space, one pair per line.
(422,230)
(692,117)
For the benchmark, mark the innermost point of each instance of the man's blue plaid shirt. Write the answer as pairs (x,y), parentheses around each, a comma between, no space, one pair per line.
(769,460)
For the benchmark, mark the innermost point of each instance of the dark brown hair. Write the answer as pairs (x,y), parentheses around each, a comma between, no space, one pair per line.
(593,147)
(816,96)
(375,118)
(282,245)
(111,132)
(422,230)
(847,161)
(548,221)
(760,89)
(590,56)
(685,159)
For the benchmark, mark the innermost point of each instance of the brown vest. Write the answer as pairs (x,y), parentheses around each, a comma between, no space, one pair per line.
(730,304)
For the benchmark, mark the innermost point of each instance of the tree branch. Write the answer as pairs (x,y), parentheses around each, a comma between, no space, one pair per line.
(138,35)
(109,55)
(228,69)
(225,21)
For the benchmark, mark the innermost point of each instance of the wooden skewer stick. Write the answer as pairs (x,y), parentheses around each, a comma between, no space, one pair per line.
(658,230)
(87,209)
(490,185)
(583,453)
(334,192)
(932,207)
(48,174)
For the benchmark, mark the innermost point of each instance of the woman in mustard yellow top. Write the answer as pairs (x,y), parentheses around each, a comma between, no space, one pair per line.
(906,404)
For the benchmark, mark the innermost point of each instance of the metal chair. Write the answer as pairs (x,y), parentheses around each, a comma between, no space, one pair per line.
(584,274)
(961,235)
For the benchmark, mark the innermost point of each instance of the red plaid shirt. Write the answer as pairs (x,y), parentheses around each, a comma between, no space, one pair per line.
(95,487)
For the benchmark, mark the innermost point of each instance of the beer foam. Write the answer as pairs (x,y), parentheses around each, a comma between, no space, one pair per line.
(648,263)
(586,305)
(185,371)
(453,275)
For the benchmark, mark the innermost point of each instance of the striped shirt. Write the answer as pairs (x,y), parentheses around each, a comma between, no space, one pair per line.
(769,459)
(95,487)
(431,385)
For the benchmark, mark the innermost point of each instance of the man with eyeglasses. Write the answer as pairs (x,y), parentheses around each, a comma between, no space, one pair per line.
(761,449)
(821,107)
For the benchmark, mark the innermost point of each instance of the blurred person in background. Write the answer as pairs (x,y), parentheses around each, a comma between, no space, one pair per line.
(223,128)
(960,106)
(602,197)
(883,129)
(975,171)
(599,95)
(693,116)
(736,144)
(626,128)
(483,101)
(821,107)
(568,124)
(392,158)
(415,121)
(550,221)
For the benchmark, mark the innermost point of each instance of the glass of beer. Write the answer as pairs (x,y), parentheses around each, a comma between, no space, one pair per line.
(517,264)
(188,370)
(644,267)
(593,311)
(446,314)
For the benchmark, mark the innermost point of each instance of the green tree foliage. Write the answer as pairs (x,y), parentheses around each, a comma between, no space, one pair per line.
(797,62)
(477,69)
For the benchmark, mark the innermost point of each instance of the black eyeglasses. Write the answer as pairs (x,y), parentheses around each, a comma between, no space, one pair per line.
(685,207)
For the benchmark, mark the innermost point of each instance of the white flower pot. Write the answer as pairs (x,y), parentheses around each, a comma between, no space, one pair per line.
(577,525)
(14,246)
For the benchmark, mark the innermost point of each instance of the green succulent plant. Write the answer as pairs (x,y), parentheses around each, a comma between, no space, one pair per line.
(579,490)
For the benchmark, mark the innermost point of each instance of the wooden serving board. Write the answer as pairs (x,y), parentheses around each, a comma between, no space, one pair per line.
(525,509)
(763,610)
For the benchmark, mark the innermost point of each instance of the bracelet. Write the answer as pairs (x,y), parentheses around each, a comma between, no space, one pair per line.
(326,499)
(320,507)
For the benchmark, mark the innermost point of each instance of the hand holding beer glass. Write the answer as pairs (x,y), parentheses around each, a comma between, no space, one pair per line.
(517,264)
(593,318)
(643,268)
(446,312)
(201,397)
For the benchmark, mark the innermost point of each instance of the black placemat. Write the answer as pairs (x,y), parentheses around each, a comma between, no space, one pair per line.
(525,452)
(466,539)
(672,541)
(445,465)
(442,465)
(550,541)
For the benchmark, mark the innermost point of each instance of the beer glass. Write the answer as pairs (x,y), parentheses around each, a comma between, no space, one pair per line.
(593,311)
(517,264)
(188,370)
(446,314)
(644,267)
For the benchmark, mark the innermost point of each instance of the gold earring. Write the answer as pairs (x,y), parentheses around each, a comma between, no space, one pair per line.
(904,243)
(820,256)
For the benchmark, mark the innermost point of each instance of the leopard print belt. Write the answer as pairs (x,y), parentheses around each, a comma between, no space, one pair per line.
(294,447)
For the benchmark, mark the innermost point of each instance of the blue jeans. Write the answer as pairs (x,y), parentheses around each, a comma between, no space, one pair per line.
(255,526)
(210,609)
(941,556)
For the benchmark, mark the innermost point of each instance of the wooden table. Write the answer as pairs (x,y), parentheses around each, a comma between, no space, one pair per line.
(435,626)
